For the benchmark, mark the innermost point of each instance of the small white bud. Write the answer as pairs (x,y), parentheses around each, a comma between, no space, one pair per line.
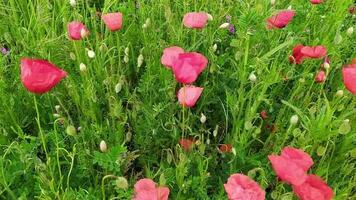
(82,67)
(252,77)
(121,183)
(72,56)
(84,33)
(79,128)
(350,31)
(57,107)
(144,26)
(72,2)
(289,7)
(326,65)
(273,2)
(224,25)
(91,54)
(233,150)
(118,87)
(340,93)
(56,115)
(338,39)
(215,47)
(127,51)
(103,147)
(139,60)
(202,118)
(208,141)
(294,119)
(126,59)
(215,132)
(210,17)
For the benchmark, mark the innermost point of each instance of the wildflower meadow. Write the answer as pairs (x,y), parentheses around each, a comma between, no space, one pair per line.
(179,100)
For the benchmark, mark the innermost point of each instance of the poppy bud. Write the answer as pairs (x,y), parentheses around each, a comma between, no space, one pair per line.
(338,38)
(72,56)
(350,31)
(224,25)
(326,65)
(139,60)
(121,183)
(208,141)
(103,147)
(340,93)
(233,151)
(79,128)
(127,51)
(91,54)
(128,136)
(215,47)
(144,26)
(203,118)
(56,115)
(294,119)
(215,132)
(126,59)
(57,108)
(252,77)
(118,87)
(320,77)
(72,2)
(71,130)
(147,23)
(82,67)
(273,2)
(210,17)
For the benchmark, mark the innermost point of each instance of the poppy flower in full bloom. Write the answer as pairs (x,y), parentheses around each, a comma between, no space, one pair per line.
(226,148)
(298,156)
(349,77)
(320,77)
(77,30)
(242,187)
(316,1)
(280,20)
(189,95)
(301,52)
(188,66)
(314,188)
(186,143)
(40,76)
(169,55)
(146,189)
(195,20)
(112,20)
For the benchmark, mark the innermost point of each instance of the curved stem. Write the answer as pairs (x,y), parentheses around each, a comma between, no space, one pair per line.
(102,184)
(40,128)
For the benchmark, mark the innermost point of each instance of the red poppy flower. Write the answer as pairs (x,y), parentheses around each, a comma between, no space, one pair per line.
(280,20)
(77,30)
(189,95)
(112,20)
(287,170)
(170,54)
(349,77)
(188,66)
(263,114)
(314,188)
(40,76)
(186,143)
(146,189)
(242,187)
(316,1)
(314,51)
(225,148)
(320,77)
(299,157)
(195,20)
(297,56)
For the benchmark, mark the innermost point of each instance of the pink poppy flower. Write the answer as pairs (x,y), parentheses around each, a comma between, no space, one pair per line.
(195,20)
(146,189)
(112,20)
(40,76)
(77,30)
(241,187)
(320,77)
(287,170)
(225,148)
(298,156)
(189,95)
(314,188)
(297,57)
(186,143)
(188,66)
(169,55)
(349,77)
(313,51)
(316,1)
(280,20)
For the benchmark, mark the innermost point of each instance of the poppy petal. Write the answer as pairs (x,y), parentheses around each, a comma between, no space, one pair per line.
(299,157)
(349,77)
(76,30)
(314,188)
(189,95)
(113,21)
(170,54)
(195,20)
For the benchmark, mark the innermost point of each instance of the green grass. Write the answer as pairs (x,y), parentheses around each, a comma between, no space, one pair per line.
(143,122)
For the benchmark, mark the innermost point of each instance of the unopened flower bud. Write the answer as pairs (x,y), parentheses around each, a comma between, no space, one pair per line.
(224,25)
(215,47)
(91,54)
(72,2)
(72,56)
(82,67)
(121,183)
(252,77)
(210,17)
(350,31)
(118,87)
(103,147)
(139,60)
(340,93)
(126,59)
(294,119)
(71,130)
(202,118)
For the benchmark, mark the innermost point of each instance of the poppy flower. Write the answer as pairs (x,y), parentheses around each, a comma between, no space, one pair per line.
(188,66)
(77,30)
(225,148)
(263,114)
(314,188)
(287,170)
(349,77)
(316,1)
(280,20)
(297,57)
(146,189)
(113,21)
(195,20)
(314,51)
(169,55)
(40,76)
(186,143)
(298,156)
(320,77)
(189,95)
(242,187)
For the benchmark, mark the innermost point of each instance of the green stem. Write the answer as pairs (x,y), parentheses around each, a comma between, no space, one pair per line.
(40,128)
(102,184)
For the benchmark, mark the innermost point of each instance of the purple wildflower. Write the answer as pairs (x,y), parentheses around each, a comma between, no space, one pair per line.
(4,51)
(232,29)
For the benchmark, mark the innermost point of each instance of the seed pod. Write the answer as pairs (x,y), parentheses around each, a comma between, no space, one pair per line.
(121,183)
(71,130)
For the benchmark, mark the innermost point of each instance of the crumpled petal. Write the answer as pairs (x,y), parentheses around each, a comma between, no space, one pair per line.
(76,30)
(188,66)
(281,19)
(241,187)
(314,188)
(299,157)
(189,95)
(170,54)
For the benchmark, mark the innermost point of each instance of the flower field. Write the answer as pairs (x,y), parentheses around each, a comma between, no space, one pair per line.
(180,100)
